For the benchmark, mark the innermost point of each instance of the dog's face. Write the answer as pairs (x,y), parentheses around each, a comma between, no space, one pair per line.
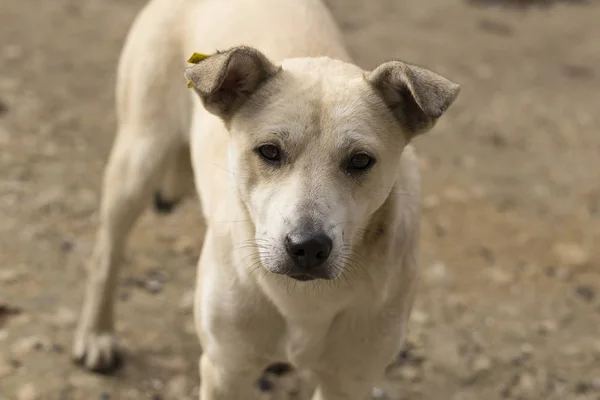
(315,148)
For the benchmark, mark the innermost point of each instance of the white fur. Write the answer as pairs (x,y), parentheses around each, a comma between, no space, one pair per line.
(344,331)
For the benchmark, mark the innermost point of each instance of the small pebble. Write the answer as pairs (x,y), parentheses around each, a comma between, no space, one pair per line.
(526,349)
(378,393)
(481,364)
(526,387)
(28,392)
(436,273)
(158,275)
(156,384)
(176,388)
(547,327)
(582,387)
(498,276)
(66,246)
(29,344)
(8,276)
(58,348)
(409,373)
(154,286)
(571,254)
(571,350)
(419,317)
(586,292)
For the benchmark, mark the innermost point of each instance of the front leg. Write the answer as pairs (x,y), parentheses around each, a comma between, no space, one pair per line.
(237,326)
(350,370)
(352,366)
(338,385)
(223,380)
(138,155)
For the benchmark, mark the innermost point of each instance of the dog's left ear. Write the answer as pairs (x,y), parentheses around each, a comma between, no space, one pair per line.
(226,79)
(416,96)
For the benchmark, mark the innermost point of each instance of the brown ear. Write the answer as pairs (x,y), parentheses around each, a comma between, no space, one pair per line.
(416,96)
(226,79)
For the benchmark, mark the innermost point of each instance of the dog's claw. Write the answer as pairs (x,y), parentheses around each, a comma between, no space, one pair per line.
(264,385)
(97,353)
(163,206)
(279,368)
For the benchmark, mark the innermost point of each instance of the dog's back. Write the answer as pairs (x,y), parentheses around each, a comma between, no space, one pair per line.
(280,28)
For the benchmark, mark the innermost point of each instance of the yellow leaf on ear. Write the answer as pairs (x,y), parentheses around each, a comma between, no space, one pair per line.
(197,57)
(190,84)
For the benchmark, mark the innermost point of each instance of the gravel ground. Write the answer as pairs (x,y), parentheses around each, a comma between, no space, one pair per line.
(509,306)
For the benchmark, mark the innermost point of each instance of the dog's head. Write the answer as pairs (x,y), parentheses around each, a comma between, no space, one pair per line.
(315,147)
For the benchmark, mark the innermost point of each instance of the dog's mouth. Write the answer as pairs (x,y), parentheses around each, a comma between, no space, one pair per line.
(302,277)
(306,276)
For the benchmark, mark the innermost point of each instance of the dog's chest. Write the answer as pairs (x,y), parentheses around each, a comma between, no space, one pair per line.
(305,341)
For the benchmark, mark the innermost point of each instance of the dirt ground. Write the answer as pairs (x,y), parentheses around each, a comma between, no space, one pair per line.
(509,306)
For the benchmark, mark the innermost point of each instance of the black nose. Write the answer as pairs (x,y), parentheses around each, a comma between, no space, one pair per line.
(308,251)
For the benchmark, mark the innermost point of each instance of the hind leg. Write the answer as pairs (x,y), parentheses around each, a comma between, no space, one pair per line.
(152,105)
(131,175)
(176,182)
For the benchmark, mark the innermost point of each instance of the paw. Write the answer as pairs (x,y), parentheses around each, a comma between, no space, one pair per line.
(282,381)
(162,205)
(97,352)
(279,369)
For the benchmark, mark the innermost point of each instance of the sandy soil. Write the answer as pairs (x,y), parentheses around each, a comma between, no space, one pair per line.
(509,306)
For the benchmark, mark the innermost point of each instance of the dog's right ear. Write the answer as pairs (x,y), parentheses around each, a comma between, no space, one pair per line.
(226,79)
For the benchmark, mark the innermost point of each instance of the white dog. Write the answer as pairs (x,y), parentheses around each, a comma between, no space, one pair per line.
(307,152)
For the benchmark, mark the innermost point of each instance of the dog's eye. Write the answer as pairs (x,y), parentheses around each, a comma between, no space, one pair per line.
(359,162)
(270,152)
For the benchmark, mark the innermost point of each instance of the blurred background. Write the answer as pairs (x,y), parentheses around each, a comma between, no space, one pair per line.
(509,306)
